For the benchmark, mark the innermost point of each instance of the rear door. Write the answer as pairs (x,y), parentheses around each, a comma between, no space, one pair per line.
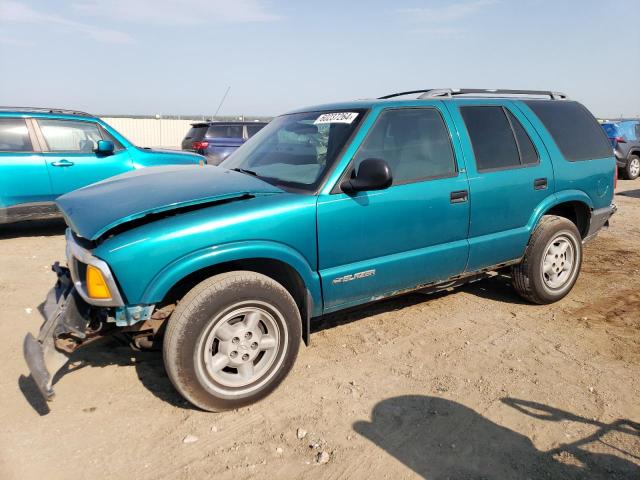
(510,174)
(23,172)
(70,158)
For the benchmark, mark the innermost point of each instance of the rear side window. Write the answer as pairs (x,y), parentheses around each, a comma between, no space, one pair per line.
(225,131)
(498,139)
(494,145)
(253,129)
(14,136)
(528,153)
(573,128)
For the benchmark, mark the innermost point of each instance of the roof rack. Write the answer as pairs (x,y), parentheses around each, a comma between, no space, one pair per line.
(451,92)
(45,110)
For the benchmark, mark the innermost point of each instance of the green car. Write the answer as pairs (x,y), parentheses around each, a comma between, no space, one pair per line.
(228,267)
(45,153)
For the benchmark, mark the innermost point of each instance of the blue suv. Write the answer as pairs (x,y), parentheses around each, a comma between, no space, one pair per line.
(625,138)
(328,207)
(45,153)
(218,140)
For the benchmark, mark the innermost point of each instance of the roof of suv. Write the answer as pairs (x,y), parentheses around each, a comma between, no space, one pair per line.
(214,122)
(44,112)
(440,94)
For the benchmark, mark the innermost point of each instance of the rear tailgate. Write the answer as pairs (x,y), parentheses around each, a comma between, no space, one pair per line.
(195,134)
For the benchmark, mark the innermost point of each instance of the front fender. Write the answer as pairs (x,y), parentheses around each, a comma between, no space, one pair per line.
(211,256)
(556,199)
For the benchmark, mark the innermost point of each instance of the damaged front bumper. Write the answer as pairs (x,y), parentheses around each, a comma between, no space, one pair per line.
(67,317)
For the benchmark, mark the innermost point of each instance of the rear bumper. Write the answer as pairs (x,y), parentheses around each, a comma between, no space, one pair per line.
(66,320)
(599,220)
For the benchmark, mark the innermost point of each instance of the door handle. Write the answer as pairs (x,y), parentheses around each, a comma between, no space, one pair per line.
(62,163)
(459,196)
(540,184)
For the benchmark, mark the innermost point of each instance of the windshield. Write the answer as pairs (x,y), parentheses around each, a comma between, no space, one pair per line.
(296,150)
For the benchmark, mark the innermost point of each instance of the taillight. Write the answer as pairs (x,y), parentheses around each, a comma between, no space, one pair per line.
(199,145)
(619,140)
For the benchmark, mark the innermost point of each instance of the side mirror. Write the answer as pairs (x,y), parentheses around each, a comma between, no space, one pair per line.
(105,147)
(373,174)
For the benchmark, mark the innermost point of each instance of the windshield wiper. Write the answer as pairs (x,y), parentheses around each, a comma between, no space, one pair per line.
(244,170)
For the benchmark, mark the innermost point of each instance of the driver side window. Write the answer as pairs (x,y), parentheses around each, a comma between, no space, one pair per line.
(69,135)
(414,142)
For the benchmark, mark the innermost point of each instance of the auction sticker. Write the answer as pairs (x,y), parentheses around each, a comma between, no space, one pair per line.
(337,117)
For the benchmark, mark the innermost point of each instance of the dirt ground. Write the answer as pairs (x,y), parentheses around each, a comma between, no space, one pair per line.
(472,383)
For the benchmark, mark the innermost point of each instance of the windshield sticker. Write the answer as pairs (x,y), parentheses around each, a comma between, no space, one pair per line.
(337,117)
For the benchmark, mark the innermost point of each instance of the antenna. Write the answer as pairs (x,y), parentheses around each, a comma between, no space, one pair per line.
(222,101)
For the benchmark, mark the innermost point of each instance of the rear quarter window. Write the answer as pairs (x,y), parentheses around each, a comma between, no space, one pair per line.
(573,128)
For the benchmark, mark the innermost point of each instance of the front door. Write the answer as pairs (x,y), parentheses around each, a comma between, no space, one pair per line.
(70,157)
(377,243)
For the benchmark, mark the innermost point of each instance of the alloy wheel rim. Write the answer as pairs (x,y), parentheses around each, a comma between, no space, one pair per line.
(634,167)
(241,349)
(558,262)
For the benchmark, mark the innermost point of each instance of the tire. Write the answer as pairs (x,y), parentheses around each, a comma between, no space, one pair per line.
(551,262)
(632,170)
(232,340)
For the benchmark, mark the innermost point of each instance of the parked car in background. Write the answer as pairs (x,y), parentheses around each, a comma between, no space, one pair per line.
(45,153)
(218,140)
(327,208)
(625,138)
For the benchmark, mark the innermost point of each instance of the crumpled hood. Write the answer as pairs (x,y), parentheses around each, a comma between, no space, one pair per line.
(93,210)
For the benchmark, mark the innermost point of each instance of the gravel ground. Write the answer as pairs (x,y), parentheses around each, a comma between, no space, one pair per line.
(473,383)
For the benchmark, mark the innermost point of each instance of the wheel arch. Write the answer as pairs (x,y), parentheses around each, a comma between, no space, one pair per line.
(575,206)
(279,262)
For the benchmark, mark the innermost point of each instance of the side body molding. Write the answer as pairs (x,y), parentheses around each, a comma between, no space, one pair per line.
(211,256)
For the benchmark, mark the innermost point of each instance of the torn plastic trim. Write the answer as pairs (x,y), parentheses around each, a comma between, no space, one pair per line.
(67,317)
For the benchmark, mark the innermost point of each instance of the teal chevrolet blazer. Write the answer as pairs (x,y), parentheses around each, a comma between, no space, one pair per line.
(45,153)
(228,267)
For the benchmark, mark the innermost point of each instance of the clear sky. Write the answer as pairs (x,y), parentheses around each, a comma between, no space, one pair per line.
(178,57)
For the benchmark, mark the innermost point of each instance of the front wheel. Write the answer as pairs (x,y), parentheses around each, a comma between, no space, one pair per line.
(551,262)
(232,340)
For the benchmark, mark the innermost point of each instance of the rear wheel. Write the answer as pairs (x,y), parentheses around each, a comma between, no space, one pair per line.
(551,262)
(232,340)
(632,170)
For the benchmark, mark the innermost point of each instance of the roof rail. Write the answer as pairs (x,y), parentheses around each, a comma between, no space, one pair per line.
(400,94)
(451,92)
(45,110)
